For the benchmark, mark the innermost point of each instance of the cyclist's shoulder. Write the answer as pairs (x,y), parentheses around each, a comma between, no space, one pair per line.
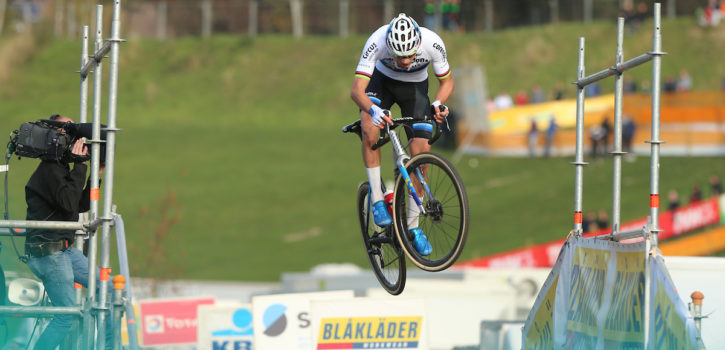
(429,37)
(379,33)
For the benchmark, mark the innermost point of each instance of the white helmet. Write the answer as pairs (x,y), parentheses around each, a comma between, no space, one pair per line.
(403,38)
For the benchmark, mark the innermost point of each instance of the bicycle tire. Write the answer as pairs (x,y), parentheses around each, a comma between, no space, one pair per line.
(381,246)
(446,220)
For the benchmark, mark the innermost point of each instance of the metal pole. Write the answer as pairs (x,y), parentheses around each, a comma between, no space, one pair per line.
(54,225)
(58,25)
(696,311)
(554,11)
(71,19)
(36,311)
(654,164)
(206,19)
(671,9)
(617,140)
(108,183)
(253,15)
(82,118)
(125,272)
(614,70)
(3,7)
(96,141)
(83,113)
(297,17)
(388,10)
(579,158)
(161,16)
(344,18)
(588,9)
(655,141)
(488,7)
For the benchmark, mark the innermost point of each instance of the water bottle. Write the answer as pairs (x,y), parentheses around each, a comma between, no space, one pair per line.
(389,201)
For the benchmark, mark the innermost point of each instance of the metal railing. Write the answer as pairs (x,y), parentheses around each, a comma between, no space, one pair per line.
(649,232)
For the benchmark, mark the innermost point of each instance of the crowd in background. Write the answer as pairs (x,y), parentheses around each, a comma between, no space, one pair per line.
(599,220)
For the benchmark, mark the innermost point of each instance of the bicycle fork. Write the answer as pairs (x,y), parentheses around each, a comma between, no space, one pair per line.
(400,160)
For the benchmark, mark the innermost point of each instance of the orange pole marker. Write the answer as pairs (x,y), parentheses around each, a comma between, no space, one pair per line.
(578,217)
(654,201)
(105,272)
(95,194)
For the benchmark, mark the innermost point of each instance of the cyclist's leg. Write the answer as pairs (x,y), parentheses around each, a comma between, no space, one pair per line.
(413,100)
(371,157)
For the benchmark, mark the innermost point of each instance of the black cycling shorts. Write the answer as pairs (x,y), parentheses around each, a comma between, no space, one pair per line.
(411,97)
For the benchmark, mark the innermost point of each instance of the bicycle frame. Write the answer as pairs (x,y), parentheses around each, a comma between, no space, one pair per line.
(401,157)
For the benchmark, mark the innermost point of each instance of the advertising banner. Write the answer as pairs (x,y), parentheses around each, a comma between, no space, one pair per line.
(170,321)
(594,299)
(672,223)
(671,325)
(225,327)
(283,321)
(369,323)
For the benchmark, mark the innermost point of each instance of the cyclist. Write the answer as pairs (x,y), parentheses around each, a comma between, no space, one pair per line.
(393,68)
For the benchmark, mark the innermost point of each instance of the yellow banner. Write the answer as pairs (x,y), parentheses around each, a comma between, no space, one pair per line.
(588,282)
(540,332)
(623,325)
(518,119)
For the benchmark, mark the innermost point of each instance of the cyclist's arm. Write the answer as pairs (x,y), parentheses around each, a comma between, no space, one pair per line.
(357,93)
(445,89)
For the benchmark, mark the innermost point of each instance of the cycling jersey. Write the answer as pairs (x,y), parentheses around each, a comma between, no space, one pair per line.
(375,54)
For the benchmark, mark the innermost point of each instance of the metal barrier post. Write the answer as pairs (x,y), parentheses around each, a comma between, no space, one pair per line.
(617,140)
(108,189)
(579,158)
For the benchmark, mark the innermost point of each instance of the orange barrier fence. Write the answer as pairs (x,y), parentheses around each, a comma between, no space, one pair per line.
(691,123)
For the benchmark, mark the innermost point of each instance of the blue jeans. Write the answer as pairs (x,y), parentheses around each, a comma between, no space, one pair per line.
(58,271)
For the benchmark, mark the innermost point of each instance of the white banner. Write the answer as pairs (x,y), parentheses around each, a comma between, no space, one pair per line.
(594,299)
(282,321)
(370,324)
(225,327)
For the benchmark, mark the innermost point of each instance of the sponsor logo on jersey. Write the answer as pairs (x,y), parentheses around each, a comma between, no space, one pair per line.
(371,49)
(440,49)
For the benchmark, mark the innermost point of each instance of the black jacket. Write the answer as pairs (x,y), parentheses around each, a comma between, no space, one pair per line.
(56,193)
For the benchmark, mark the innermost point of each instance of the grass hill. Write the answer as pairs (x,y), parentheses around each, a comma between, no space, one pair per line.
(231,164)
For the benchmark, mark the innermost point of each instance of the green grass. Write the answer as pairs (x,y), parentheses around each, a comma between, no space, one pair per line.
(240,139)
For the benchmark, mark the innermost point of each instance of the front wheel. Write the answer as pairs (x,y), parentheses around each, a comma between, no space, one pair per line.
(383,250)
(445,221)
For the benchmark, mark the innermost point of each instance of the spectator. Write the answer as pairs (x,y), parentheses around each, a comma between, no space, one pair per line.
(696,194)
(670,85)
(430,14)
(602,219)
(454,13)
(674,200)
(715,186)
(684,82)
(630,86)
(558,93)
(503,101)
(627,11)
(521,98)
(606,130)
(640,16)
(628,129)
(596,134)
(537,94)
(550,132)
(533,138)
(589,222)
(645,87)
(593,90)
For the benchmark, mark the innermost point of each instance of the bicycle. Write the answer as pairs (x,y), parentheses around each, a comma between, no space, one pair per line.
(443,211)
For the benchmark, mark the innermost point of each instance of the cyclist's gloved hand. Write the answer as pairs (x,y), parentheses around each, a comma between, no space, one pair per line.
(377,114)
(440,111)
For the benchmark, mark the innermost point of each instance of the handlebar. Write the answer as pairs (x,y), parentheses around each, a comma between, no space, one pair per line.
(355,128)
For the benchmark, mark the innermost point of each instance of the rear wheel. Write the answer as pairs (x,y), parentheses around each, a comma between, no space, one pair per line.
(381,245)
(445,222)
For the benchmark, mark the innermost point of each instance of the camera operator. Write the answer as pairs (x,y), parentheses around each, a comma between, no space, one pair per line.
(55,192)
